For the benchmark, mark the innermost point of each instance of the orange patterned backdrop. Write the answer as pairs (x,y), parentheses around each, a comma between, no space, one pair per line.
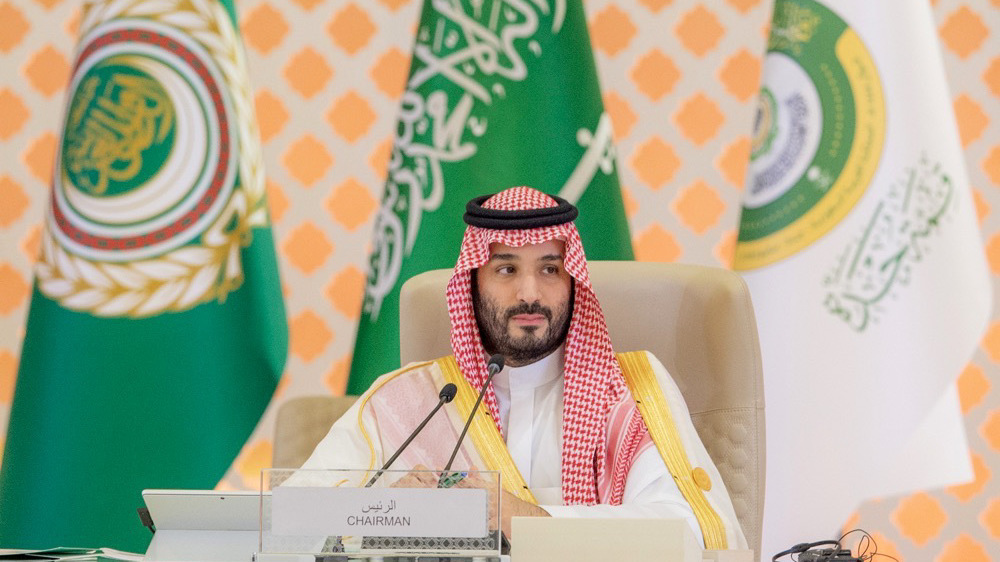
(679,80)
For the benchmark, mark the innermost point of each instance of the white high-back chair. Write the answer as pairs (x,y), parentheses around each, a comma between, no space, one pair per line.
(697,320)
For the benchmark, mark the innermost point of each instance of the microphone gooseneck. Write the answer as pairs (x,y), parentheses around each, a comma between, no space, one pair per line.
(494,366)
(446,395)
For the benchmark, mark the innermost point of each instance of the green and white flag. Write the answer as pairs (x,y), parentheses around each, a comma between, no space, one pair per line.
(156,333)
(499,94)
(860,244)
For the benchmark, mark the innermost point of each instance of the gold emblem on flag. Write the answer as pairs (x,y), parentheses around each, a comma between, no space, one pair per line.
(818,137)
(158,182)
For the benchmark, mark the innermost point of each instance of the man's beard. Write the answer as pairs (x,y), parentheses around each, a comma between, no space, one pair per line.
(493,322)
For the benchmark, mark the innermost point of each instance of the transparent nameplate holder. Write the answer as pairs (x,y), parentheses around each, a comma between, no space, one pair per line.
(366,514)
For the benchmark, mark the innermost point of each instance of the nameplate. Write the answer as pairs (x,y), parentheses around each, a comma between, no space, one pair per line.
(379,512)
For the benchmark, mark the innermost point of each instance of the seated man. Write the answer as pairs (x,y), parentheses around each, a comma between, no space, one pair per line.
(574,430)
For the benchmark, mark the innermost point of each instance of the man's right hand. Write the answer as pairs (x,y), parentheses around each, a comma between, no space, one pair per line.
(512,506)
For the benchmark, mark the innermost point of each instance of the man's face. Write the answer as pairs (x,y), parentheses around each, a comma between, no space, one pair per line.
(523,301)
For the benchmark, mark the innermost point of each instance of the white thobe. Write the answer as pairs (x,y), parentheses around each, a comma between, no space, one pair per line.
(530,404)
(530,400)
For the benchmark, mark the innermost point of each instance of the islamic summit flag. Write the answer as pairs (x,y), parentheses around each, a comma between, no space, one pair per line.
(499,94)
(156,333)
(860,244)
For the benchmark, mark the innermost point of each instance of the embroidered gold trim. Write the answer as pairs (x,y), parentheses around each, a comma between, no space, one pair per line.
(655,412)
(484,434)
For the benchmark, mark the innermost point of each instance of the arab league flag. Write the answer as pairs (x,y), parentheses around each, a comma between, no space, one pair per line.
(860,245)
(499,94)
(156,333)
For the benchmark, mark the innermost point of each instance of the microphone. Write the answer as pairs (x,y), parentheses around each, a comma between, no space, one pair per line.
(446,395)
(494,366)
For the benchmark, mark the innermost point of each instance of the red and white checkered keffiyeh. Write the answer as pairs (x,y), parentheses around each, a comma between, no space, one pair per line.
(593,381)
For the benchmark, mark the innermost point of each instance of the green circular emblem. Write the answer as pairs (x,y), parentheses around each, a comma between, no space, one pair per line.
(818,134)
(119,130)
(157,185)
(148,159)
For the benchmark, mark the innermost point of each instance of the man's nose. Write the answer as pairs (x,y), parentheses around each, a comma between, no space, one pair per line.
(527,289)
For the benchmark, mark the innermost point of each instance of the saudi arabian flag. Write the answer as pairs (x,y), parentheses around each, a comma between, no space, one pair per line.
(500,94)
(860,244)
(156,333)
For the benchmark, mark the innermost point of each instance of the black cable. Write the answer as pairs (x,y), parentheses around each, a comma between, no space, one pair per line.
(803,547)
(871,540)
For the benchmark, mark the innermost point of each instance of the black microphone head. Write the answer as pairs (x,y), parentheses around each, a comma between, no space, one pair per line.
(495,364)
(448,392)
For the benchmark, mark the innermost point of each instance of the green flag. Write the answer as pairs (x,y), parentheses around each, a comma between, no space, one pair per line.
(499,94)
(156,333)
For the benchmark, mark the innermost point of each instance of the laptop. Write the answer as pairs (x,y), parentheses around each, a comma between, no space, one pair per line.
(206,510)
(204,525)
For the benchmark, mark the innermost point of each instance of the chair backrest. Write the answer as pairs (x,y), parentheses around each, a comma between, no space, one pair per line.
(301,423)
(697,320)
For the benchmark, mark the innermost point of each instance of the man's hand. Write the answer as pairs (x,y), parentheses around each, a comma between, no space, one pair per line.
(512,506)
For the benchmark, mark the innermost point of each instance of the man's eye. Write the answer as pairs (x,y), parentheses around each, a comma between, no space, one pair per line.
(550,270)
(505,269)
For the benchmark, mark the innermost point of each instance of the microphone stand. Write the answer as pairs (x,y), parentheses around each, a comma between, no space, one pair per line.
(494,366)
